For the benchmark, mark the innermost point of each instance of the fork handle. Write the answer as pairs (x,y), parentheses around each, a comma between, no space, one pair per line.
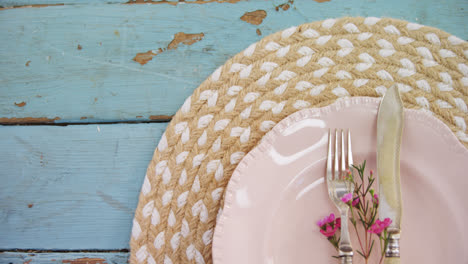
(344,247)
(392,260)
(346,259)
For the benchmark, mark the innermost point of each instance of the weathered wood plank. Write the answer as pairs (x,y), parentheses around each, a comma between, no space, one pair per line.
(75,62)
(72,187)
(63,258)
(43,3)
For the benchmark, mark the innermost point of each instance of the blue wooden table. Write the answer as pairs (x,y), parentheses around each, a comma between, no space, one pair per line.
(87,88)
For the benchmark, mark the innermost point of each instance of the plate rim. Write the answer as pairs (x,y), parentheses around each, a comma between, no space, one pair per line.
(422,115)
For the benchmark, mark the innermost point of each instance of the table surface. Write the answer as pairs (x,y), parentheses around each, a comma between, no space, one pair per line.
(87,88)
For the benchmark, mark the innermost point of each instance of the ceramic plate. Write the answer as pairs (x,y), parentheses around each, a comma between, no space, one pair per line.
(277,193)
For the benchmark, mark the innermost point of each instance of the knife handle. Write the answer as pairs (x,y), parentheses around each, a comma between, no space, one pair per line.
(347,259)
(392,261)
(393,246)
(392,252)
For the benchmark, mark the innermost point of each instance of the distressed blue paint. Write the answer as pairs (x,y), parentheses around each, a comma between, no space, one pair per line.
(83,182)
(12,3)
(61,258)
(102,82)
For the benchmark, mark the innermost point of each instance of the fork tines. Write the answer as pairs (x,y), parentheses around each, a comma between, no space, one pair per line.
(339,170)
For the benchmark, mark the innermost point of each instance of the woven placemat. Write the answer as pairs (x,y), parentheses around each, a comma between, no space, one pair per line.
(306,66)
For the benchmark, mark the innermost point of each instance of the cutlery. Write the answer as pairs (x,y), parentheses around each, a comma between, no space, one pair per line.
(389,130)
(338,186)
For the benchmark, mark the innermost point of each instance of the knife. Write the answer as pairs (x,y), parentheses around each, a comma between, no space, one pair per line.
(389,130)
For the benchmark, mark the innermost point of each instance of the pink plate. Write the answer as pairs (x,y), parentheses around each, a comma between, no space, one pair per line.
(277,192)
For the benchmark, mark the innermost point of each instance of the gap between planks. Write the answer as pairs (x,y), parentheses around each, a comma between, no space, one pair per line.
(51,123)
(64,258)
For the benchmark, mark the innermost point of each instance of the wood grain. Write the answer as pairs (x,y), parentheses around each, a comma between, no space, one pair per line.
(76,187)
(75,62)
(72,187)
(64,258)
(44,3)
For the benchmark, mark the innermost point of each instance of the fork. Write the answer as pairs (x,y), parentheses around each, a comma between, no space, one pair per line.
(338,186)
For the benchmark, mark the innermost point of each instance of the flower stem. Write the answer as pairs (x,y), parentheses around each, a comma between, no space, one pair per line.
(355,228)
(370,240)
(382,251)
(367,248)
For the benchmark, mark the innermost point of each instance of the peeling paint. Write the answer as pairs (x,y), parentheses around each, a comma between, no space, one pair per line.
(255,17)
(27,261)
(85,261)
(27,120)
(79,47)
(144,57)
(160,117)
(179,37)
(30,205)
(31,6)
(187,39)
(27,63)
(20,104)
(258,32)
(42,161)
(174,3)
(284,6)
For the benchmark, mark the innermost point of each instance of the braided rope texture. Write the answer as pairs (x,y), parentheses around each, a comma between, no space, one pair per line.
(306,66)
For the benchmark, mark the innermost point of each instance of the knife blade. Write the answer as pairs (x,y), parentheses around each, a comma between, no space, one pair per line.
(389,131)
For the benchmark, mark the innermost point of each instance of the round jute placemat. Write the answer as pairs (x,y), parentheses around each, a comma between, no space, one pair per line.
(306,66)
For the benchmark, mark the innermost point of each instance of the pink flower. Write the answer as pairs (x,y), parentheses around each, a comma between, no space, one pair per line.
(326,220)
(322,222)
(347,197)
(329,231)
(338,222)
(379,226)
(376,229)
(375,199)
(355,201)
(331,218)
(386,222)
(328,225)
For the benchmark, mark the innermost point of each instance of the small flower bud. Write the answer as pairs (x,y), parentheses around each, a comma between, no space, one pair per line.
(375,200)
